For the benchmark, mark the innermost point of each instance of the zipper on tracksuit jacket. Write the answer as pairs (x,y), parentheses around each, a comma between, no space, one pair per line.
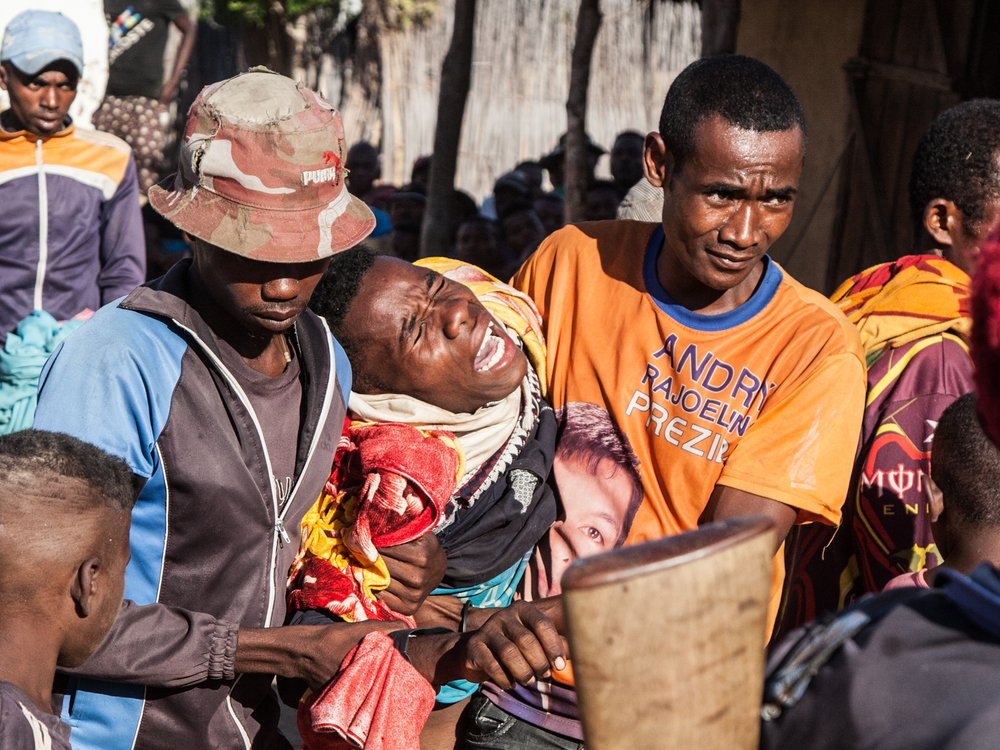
(279,534)
(43,227)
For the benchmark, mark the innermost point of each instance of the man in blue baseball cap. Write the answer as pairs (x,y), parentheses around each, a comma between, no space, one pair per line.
(71,235)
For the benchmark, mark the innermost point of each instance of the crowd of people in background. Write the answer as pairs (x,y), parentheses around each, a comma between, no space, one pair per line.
(259,445)
(498,234)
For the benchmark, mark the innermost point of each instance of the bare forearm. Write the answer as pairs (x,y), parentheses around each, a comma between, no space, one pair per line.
(189,31)
(443,611)
(309,652)
(727,502)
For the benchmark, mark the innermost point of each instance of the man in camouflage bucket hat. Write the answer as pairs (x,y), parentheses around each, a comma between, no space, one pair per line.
(226,398)
(261,173)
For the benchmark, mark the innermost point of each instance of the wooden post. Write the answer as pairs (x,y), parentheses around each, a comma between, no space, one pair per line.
(456,76)
(667,639)
(588,23)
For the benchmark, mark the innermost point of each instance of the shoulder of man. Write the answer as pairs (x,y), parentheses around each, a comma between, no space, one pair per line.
(910,659)
(595,247)
(100,153)
(820,317)
(24,726)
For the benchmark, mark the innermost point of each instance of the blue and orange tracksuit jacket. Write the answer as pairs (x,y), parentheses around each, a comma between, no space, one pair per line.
(71,233)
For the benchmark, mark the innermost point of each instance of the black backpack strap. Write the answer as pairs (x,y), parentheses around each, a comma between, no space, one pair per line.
(787,680)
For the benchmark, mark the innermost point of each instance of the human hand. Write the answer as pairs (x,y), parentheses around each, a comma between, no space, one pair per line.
(476,617)
(415,569)
(518,643)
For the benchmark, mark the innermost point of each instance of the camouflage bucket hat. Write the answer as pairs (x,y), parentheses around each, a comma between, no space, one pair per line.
(260,173)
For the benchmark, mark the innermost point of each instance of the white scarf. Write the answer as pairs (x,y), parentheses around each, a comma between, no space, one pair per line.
(481,433)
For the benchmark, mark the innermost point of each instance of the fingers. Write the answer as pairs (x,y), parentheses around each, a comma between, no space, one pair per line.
(518,644)
(415,568)
(552,607)
(502,662)
(393,602)
(545,633)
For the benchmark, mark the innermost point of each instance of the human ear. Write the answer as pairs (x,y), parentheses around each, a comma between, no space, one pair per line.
(941,218)
(655,160)
(85,585)
(3,77)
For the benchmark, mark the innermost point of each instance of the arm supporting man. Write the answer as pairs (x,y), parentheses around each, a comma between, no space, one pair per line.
(728,502)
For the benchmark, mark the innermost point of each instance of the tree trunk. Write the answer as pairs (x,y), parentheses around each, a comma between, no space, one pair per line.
(588,23)
(720,23)
(456,75)
(269,44)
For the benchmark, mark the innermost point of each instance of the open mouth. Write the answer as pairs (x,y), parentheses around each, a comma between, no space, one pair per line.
(491,350)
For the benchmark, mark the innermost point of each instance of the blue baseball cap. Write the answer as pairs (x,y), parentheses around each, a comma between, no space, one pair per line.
(34,39)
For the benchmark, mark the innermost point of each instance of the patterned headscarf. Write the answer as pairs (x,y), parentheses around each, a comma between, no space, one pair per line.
(895,303)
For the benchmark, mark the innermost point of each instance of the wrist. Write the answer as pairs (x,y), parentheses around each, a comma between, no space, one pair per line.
(476,617)
(270,650)
(437,656)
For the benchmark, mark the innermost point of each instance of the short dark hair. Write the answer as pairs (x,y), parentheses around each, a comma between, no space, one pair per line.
(486,223)
(30,460)
(333,296)
(588,436)
(965,465)
(743,91)
(956,159)
(625,134)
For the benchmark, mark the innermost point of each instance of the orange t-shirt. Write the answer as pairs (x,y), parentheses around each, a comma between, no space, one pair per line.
(767,398)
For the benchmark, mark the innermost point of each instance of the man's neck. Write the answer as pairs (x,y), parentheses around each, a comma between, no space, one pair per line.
(28,657)
(974,548)
(690,293)
(266,353)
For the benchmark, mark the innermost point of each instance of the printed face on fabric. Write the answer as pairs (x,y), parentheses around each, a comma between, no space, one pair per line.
(595,504)
(723,208)
(41,102)
(257,298)
(429,337)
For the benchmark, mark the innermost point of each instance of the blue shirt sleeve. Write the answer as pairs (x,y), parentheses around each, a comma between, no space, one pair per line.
(343,369)
(110,383)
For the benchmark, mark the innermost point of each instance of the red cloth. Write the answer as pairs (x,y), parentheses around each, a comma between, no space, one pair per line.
(320,585)
(415,478)
(986,334)
(377,701)
(389,485)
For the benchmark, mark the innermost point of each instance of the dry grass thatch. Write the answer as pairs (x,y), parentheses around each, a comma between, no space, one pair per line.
(521,65)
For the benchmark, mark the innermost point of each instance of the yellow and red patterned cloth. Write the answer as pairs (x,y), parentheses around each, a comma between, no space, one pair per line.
(389,486)
(892,304)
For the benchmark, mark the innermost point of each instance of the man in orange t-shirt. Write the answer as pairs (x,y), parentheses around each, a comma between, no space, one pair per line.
(739,390)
